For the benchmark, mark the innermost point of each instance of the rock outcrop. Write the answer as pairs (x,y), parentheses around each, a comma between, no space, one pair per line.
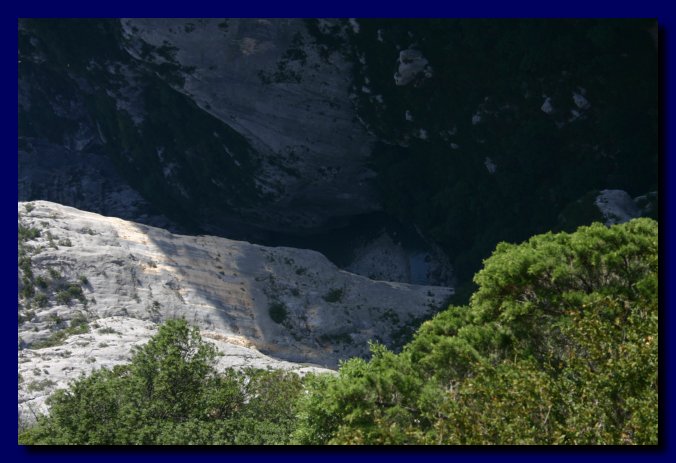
(410,64)
(616,206)
(91,287)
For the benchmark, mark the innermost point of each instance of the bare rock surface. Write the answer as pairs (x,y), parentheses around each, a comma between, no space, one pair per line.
(263,307)
(265,78)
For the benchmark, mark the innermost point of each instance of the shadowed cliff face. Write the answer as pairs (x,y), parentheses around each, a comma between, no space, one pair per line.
(227,126)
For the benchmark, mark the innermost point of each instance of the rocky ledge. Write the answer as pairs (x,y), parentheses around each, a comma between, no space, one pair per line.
(92,287)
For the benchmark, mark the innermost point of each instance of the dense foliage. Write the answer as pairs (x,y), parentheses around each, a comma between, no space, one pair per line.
(170,393)
(557,346)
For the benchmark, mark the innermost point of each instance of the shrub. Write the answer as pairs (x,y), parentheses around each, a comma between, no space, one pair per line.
(27,233)
(63,297)
(334,295)
(278,312)
(27,288)
(170,393)
(26,266)
(41,300)
(557,346)
(108,330)
(78,325)
(40,282)
(40,385)
(54,274)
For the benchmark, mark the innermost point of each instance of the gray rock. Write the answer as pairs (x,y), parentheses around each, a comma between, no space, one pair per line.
(285,108)
(616,206)
(262,306)
(410,64)
(293,108)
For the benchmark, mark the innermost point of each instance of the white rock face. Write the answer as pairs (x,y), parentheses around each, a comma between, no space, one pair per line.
(411,62)
(616,206)
(137,276)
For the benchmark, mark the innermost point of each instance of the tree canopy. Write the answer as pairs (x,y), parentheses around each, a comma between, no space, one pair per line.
(557,346)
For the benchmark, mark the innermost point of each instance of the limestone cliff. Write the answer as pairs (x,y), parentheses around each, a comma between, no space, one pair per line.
(91,287)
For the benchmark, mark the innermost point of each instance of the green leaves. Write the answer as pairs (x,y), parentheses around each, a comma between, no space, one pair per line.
(171,394)
(558,346)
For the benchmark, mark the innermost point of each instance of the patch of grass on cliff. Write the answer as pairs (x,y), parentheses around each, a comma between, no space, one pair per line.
(40,385)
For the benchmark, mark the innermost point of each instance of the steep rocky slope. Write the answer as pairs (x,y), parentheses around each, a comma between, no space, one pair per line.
(224,125)
(91,287)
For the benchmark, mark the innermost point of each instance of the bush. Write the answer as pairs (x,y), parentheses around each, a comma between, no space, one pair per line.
(54,274)
(334,295)
(171,394)
(27,233)
(108,330)
(557,346)
(27,288)
(41,300)
(26,266)
(40,282)
(63,297)
(78,325)
(277,311)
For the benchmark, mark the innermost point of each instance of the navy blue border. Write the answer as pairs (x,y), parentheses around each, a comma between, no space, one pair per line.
(417,8)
